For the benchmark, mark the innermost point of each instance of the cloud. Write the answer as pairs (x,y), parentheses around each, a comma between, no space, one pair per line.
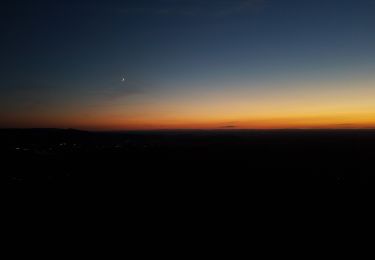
(28,94)
(116,93)
(118,90)
(228,125)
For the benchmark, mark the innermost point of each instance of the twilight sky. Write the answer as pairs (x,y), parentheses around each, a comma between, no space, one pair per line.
(207,64)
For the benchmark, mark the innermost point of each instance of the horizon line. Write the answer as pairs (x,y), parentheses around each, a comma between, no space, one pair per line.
(188,129)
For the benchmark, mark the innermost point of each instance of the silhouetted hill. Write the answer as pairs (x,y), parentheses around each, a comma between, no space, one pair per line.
(40,131)
(40,136)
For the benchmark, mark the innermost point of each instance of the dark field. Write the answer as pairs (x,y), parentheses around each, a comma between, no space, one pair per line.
(181,182)
(228,159)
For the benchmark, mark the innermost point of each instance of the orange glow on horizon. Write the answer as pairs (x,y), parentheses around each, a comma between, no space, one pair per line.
(309,122)
(338,105)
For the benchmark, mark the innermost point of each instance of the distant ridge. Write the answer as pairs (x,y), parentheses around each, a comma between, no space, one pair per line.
(231,130)
(46,134)
(36,131)
(42,129)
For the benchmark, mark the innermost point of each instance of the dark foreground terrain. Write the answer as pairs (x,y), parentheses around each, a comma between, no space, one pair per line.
(224,185)
(188,159)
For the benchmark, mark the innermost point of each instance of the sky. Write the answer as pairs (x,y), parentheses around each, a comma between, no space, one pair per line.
(187,64)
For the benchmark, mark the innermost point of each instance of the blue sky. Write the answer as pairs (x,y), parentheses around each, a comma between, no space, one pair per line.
(72,55)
